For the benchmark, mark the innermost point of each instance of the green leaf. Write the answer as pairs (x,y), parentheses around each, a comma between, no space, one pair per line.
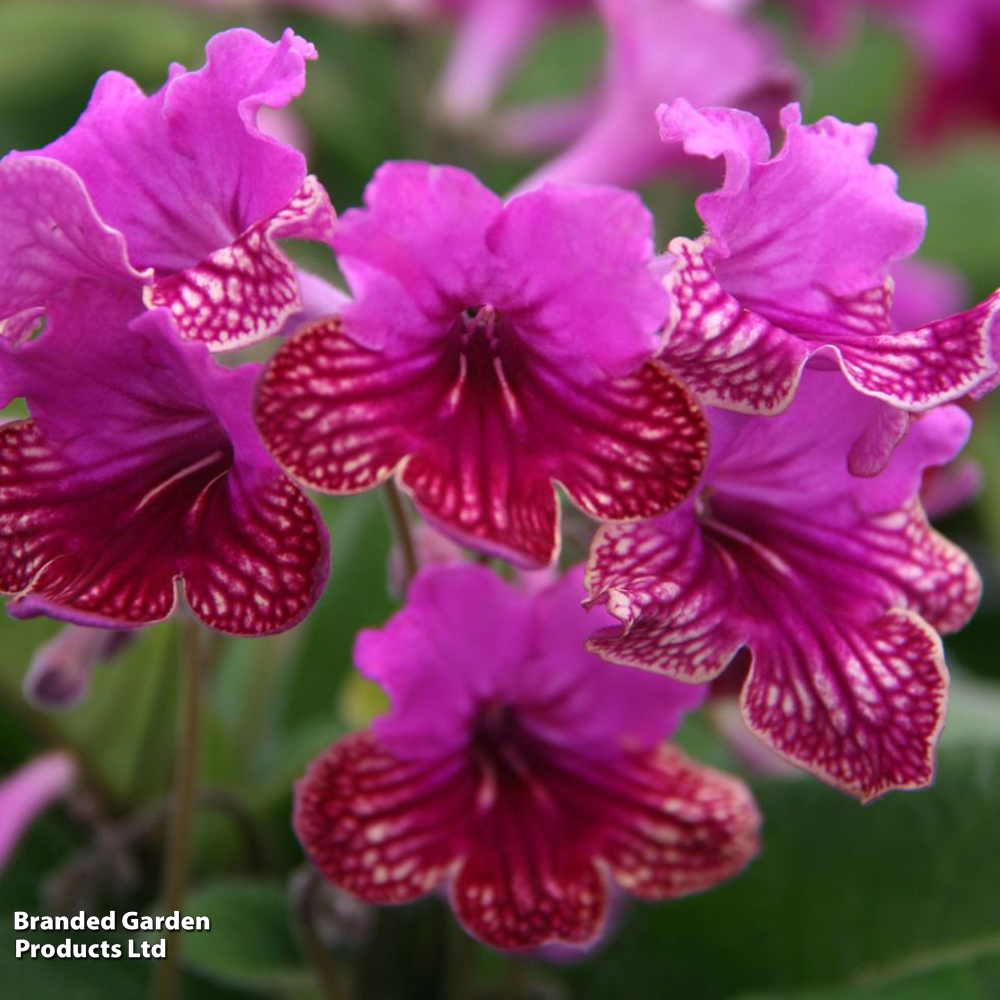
(250,943)
(841,894)
(964,980)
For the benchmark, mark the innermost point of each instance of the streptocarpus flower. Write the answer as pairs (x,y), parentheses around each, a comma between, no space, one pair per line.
(794,265)
(836,583)
(517,770)
(141,467)
(179,194)
(659,50)
(29,791)
(61,669)
(490,350)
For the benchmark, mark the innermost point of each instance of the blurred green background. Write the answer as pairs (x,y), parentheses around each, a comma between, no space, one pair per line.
(896,901)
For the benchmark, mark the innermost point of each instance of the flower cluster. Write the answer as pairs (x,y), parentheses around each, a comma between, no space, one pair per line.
(743,421)
(139,242)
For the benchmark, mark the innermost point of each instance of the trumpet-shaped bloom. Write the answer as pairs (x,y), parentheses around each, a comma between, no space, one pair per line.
(837,584)
(141,467)
(794,265)
(489,350)
(660,50)
(179,194)
(517,770)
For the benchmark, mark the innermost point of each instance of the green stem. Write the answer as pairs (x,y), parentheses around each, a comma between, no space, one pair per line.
(180,837)
(401,528)
(328,976)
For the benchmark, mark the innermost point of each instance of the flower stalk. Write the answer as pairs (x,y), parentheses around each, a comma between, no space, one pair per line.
(181,833)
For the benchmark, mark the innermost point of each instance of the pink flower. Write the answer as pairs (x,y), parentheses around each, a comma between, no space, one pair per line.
(28,791)
(490,350)
(141,467)
(794,265)
(516,770)
(179,195)
(659,50)
(836,583)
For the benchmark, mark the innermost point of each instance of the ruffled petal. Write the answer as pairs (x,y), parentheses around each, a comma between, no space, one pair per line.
(861,706)
(388,830)
(916,369)
(578,258)
(937,580)
(735,358)
(185,172)
(847,680)
(673,594)
(52,235)
(414,253)
(818,219)
(246,291)
(796,262)
(729,356)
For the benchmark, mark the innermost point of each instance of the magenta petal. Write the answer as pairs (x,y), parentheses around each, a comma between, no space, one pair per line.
(796,262)
(523,885)
(627,448)
(246,291)
(387,830)
(184,172)
(866,730)
(672,594)
(342,418)
(479,490)
(729,356)
(936,579)
(102,517)
(916,369)
(817,219)
(52,235)
(670,827)
(332,413)
(579,256)
(256,557)
(61,550)
(411,255)
(478,448)
(491,37)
